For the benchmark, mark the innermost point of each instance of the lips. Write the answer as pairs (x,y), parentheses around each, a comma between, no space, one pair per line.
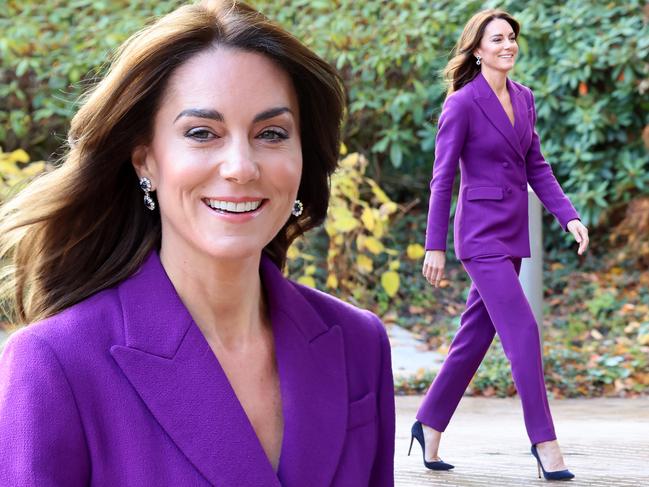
(229,206)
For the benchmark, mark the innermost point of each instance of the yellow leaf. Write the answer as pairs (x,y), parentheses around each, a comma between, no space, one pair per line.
(360,241)
(343,149)
(415,251)
(350,161)
(307,281)
(390,282)
(292,253)
(378,192)
(367,217)
(343,220)
(374,245)
(310,270)
(388,208)
(339,240)
(19,155)
(394,265)
(34,168)
(332,281)
(378,229)
(8,167)
(364,263)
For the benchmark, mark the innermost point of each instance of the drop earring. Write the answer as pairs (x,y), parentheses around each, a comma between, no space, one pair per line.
(145,185)
(298,208)
(478,60)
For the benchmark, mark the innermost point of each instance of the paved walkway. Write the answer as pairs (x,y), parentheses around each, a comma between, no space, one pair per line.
(605,443)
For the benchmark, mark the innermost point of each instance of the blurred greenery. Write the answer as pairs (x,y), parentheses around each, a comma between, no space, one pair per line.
(588,64)
(586,60)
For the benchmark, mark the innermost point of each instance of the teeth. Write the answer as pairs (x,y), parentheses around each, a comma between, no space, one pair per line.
(233,207)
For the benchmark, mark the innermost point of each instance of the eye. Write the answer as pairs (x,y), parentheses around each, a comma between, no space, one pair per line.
(200,134)
(273,135)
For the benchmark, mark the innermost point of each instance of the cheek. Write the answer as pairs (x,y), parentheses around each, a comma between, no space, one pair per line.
(285,173)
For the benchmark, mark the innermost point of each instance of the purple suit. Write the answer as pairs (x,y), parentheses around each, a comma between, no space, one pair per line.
(497,161)
(123,389)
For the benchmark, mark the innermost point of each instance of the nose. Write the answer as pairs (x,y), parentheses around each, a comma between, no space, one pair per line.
(238,165)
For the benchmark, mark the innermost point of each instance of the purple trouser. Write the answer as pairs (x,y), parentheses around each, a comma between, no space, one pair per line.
(496,303)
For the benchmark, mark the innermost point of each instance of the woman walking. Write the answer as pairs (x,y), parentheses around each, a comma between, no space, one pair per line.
(487,126)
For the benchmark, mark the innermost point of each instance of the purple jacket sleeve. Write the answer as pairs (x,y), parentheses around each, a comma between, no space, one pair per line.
(42,442)
(542,180)
(451,133)
(383,470)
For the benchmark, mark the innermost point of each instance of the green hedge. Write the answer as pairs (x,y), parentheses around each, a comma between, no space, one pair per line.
(587,61)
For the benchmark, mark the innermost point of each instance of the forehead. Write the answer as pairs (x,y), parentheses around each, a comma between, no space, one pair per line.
(498,26)
(228,78)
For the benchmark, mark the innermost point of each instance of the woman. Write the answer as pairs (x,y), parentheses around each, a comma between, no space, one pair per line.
(169,348)
(487,126)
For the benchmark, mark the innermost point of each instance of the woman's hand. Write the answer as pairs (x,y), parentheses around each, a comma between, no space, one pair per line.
(580,232)
(433,269)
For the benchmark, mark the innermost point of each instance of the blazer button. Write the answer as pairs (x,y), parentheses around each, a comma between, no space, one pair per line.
(505,164)
(523,187)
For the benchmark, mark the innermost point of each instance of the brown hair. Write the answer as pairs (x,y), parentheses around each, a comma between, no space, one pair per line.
(462,67)
(82,227)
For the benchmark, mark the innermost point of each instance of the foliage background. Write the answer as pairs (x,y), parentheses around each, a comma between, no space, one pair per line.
(588,64)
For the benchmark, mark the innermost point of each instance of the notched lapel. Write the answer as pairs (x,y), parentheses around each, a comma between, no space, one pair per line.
(313,378)
(495,113)
(175,373)
(523,128)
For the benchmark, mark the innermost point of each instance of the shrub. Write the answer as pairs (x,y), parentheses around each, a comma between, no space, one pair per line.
(585,60)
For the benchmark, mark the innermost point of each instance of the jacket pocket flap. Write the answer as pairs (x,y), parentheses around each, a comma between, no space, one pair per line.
(362,411)
(484,193)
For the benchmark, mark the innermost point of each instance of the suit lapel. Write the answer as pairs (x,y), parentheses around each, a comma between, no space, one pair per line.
(174,371)
(495,113)
(171,366)
(523,129)
(313,379)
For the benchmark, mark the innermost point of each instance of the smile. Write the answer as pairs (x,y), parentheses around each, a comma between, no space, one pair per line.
(507,56)
(232,206)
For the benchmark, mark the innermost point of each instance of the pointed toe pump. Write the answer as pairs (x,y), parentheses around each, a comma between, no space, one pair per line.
(418,433)
(556,475)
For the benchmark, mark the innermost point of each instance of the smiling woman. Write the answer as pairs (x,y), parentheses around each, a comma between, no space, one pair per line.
(165,330)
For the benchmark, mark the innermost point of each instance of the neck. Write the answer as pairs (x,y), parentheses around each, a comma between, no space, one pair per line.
(223,296)
(496,79)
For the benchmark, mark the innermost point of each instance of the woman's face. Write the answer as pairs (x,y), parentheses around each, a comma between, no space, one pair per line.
(498,47)
(225,159)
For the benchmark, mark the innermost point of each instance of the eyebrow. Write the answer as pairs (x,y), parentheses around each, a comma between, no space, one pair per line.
(218,116)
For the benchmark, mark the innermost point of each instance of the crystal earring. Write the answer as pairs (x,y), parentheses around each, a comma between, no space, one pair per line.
(298,208)
(145,185)
(478,60)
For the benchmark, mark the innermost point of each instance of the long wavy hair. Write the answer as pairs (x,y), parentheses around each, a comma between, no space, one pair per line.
(82,227)
(462,67)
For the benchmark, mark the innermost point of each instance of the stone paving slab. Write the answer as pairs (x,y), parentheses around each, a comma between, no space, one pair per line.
(605,443)
(410,354)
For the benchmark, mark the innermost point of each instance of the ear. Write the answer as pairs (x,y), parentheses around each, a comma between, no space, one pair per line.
(143,163)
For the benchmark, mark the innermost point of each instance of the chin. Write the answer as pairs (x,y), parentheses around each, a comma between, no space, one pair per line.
(233,249)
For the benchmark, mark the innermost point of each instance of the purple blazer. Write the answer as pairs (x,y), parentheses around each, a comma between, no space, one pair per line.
(123,389)
(497,161)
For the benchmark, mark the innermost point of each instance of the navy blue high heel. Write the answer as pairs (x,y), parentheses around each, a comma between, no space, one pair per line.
(556,475)
(418,433)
